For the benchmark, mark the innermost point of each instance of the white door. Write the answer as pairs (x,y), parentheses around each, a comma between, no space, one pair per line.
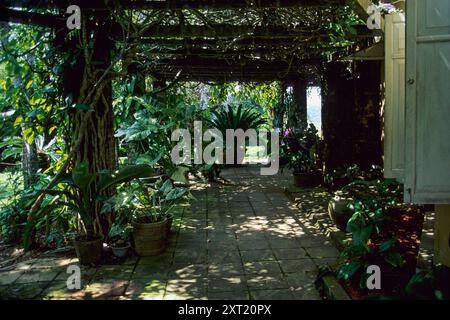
(394,112)
(427,167)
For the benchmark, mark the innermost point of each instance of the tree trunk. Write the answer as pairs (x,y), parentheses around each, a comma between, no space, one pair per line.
(88,83)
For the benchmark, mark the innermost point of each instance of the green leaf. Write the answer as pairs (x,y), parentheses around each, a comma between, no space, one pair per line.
(11,152)
(386,245)
(81,176)
(18,121)
(126,174)
(394,259)
(180,174)
(29,84)
(361,236)
(349,269)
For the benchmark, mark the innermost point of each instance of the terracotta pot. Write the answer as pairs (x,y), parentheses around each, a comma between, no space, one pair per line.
(339,211)
(306,180)
(149,238)
(88,251)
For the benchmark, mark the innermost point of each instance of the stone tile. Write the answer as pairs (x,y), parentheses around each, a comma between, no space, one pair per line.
(163,259)
(146,271)
(262,267)
(253,245)
(180,289)
(266,282)
(9,277)
(230,245)
(152,289)
(230,295)
(257,255)
(290,254)
(226,283)
(190,245)
(323,252)
(26,291)
(307,292)
(300,280)
(57,290)
(190,256)
(219,257)
(53,263)
(181,270)
(40,275)
(86,273)
(256,236)
(114,272)
(25,265)
(225,269)
(310,241)
(277,294)
(105,288)
(300,265)
(278,243)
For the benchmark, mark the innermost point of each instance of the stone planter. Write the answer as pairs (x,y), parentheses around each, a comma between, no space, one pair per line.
(150,238)
(339,211)
(88,251)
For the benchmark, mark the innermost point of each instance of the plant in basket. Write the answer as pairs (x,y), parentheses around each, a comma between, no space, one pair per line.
(152,215)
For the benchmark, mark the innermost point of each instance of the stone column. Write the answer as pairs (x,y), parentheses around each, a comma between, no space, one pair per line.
(300,104)
(337,116)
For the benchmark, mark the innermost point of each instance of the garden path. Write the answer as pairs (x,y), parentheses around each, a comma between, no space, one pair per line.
(240,240)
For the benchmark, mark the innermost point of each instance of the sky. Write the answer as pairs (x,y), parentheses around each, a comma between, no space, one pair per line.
(314,107)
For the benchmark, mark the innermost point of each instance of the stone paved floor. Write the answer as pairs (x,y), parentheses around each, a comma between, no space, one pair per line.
(242,240)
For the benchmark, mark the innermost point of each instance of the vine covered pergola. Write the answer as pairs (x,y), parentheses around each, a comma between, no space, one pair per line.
(217,41)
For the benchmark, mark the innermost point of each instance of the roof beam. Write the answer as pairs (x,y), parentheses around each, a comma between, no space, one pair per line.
(168,4)
(234,31)
(226,31)
(24,17)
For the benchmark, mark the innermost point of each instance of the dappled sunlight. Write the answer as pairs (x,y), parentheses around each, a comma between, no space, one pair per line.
(244,239)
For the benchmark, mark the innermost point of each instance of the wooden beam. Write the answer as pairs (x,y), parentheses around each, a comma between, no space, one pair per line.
(224,31)
(24,17)
(169,4)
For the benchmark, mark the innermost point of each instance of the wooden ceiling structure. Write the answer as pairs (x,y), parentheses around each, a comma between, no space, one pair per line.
(218,40)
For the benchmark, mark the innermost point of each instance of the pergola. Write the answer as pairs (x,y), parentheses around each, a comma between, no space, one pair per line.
(217,40)
(186,40)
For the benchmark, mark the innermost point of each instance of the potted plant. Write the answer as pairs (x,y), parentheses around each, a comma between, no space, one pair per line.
(304,169)
(119,237)
(302,151)
(339,209)
(152,217)
(82,191)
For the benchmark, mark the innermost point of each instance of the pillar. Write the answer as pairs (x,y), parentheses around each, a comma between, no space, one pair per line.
(298,113)
(442,235)
(337,116)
